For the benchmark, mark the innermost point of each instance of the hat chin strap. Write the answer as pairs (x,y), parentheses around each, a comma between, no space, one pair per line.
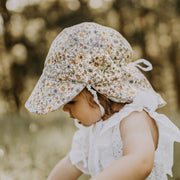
(145,62)
(94,93)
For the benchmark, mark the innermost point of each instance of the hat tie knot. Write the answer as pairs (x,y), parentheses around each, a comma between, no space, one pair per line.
(145,62)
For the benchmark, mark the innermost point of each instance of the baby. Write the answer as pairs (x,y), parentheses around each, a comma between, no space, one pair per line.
(89,70)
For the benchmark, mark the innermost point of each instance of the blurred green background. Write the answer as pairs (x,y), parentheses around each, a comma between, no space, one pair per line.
(31,145)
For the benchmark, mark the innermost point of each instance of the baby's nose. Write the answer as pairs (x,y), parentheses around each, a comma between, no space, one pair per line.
(66,108)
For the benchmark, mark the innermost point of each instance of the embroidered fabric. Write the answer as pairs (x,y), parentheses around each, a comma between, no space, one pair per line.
(96,147)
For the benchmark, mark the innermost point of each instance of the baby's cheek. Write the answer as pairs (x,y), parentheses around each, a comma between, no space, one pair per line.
(95,117)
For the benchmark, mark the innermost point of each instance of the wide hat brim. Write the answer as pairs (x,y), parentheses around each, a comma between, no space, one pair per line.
(49,95)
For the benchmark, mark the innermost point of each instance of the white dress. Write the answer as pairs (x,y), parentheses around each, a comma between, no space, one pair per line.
(96,147)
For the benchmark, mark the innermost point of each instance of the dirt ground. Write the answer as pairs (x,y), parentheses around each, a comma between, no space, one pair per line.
(30,146)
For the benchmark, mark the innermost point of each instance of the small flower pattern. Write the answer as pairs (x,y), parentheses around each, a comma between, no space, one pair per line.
(86,54)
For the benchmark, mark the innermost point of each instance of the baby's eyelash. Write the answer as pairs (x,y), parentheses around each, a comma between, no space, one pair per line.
(71,102)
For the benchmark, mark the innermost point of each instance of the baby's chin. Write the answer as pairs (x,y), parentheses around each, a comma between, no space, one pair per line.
(86,125)
(83,124)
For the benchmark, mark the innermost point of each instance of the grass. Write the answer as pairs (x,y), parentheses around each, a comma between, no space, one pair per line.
(30,146)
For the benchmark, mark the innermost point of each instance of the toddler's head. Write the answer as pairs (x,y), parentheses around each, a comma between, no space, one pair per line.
(92,56)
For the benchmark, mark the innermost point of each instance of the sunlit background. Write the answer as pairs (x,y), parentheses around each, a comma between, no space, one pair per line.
(30,145)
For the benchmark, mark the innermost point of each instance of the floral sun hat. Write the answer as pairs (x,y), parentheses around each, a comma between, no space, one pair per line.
(88,54)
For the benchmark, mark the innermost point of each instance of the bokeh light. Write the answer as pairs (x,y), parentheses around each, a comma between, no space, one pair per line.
(16,26)
(95,4)
(19,52)
(14,5)
(73,5)
(33,29)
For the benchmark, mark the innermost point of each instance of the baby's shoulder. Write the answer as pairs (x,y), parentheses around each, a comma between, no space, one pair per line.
(140,121)
(137,117)
(138,114)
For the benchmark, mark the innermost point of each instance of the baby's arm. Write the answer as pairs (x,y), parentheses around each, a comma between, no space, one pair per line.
(138,150)
(64,170)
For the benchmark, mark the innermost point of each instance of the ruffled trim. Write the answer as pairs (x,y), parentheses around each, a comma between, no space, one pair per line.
(148,100)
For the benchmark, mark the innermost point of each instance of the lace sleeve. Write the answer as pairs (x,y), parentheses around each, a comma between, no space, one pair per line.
(79,150)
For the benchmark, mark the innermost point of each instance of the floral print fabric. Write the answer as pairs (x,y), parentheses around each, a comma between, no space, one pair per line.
(87,54)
